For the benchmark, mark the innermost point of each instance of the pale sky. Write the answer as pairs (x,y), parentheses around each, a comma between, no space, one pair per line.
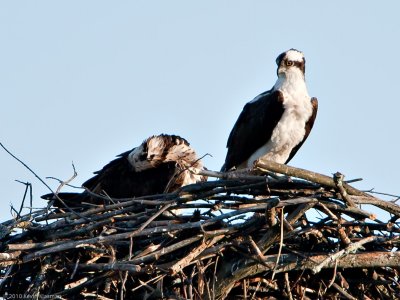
(82,81)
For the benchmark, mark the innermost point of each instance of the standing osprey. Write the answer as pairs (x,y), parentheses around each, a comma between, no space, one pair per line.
(161,164)
(275,124)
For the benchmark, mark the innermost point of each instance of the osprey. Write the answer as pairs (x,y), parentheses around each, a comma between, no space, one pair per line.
(161,164)
(275,124)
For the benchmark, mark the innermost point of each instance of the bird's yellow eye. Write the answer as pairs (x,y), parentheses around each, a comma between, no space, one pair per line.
(289,63)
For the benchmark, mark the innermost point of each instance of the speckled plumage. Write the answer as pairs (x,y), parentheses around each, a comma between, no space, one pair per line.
(162,163)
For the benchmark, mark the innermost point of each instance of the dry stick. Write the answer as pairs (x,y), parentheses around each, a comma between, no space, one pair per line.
(374,259)
(6,275)
(269,238)
(29,246)
(338,179)
(214,278)
(372,226)
(40,179)
(343,292)
(182,263)
(27,217)
(287,262)
(226,277)
(62,245)
(341,253)
(292,262)
(147,282)
(80,231)
(71,233)
(99,239)
(341,232)
(385,205)
(112,238)
(328,212)
(255,248)
(28,186)
(350,211)
(305,174)
(131,268)
(244,284)
(94,295)
(74,269)
(271,216)
(334,275)
(237,175)
(283,203)
(91,282)
(26,166)
(106,215)
(255,291)
(9,256)
(288,289)
(63,183)
(157,254)
(280,245)
(103,208)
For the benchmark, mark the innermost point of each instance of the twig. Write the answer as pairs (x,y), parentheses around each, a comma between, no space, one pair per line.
(385,205)
(288,289)
(334,275)
(343,292)
(350,248)
(338,179)
(280,245)
(180,264)
(63,183)
(110,267)
(269,238)
(351,260)
(90,282)
(112,238)
(26,166)
(28,186)
(164,251)
(341,232)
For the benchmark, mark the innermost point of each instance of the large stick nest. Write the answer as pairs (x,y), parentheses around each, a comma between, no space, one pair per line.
(307,236)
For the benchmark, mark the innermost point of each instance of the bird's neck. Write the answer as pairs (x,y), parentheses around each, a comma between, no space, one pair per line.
(292,82)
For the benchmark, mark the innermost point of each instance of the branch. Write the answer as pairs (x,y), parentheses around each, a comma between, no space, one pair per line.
(304,174)
(338,255)
(293,262)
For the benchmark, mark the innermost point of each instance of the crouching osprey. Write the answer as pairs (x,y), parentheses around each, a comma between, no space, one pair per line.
(275,124)
(161,164)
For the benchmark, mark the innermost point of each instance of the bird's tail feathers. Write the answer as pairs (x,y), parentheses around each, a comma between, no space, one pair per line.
(70,199)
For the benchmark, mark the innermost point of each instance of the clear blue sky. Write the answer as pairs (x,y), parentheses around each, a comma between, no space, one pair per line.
(83,81)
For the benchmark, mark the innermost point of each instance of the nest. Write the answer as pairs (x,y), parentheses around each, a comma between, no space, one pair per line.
(243,236)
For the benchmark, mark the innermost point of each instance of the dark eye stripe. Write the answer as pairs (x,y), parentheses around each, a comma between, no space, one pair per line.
(298,64)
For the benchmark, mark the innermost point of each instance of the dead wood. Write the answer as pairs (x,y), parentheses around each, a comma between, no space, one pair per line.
(247,235)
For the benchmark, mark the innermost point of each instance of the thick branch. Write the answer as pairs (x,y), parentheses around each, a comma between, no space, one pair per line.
(289,262)
(305,174)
